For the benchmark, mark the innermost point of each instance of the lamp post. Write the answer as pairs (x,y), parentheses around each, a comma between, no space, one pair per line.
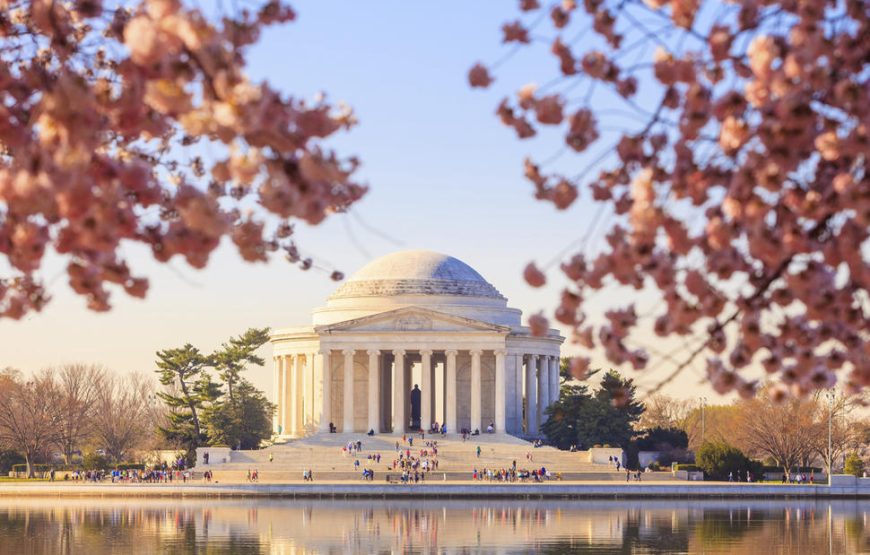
(703,419)
(831,394)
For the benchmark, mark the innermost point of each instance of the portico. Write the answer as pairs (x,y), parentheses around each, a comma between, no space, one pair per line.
(414,318)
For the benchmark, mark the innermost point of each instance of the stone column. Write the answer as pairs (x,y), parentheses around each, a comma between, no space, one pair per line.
(279,400)
(400,419)
(500,413)
(311,411)
(554,379)
(426,406)
(432,397)
(532,395)
(518,398)
(374,390)
(293,400)
(299,369)
(316,392)
(475,390)
(348,391)
(325,366)
(450,391)
(543,388)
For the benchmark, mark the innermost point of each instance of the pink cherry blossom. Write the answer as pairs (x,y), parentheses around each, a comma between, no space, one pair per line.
(738,195)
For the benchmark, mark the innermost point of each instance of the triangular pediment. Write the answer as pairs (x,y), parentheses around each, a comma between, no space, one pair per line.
(411,319)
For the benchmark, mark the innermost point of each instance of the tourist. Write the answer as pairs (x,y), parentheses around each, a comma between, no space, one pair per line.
(271,457)
(627,475)
(204,458)
(478,451)
(490,429)
(371,432)
(730,476)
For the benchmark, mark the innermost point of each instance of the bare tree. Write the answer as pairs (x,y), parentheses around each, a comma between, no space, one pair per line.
(784,431)
(836,412)
(78,385)
(663,411)
(122,419)
(28,414)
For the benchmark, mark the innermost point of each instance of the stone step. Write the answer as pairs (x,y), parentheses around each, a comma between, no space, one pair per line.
(269,476)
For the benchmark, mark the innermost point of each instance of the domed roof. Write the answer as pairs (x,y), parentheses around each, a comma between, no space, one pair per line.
(416,272)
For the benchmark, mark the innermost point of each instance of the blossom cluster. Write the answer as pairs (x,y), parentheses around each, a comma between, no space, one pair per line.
(136,123)
(741,193)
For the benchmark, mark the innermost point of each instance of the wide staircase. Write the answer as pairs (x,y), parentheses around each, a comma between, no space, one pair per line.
(457,459)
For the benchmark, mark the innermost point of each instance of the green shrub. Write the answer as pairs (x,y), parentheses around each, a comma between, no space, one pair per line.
(654,466)
(95,461)
(686,467)
(663,439)
(718,459)
(130,466)
(9,458)
(854,465)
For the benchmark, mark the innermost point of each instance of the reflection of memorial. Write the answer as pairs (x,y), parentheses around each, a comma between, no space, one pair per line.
(414,317)
(98,526)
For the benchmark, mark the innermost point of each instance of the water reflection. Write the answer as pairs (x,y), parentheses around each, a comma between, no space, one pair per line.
(96,526)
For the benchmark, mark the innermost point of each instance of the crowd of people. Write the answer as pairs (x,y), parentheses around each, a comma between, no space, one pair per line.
(513,474)
(163,473)
(413,465)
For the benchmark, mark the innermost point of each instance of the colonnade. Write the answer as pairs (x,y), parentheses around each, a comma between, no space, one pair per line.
(296,384)
(522,386)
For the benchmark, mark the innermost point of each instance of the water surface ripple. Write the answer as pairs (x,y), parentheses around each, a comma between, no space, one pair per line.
(282,527)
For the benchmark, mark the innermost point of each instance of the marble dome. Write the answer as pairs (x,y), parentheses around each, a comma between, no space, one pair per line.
(416,272)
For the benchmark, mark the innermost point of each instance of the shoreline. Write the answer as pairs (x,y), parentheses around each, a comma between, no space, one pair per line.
(350,490)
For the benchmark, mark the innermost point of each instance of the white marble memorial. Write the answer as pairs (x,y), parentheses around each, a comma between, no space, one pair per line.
(414,317)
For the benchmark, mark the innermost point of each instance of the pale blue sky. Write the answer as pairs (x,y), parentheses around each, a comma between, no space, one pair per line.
(444,175)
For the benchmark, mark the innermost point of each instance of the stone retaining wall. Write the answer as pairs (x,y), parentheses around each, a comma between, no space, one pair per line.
(430,490)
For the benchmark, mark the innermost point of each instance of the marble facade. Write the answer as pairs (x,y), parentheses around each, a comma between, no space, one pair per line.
(414,317)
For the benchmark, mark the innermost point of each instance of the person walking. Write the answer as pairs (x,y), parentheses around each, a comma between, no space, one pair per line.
(271,457)
(478,451)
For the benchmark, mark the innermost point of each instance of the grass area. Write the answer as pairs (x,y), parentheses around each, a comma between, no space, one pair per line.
(7,480)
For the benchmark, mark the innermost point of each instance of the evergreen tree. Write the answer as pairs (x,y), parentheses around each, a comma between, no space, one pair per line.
(232,358)
(244,423)
(560,427)
(188,390)
(718,459)
(584,419)
(229,411)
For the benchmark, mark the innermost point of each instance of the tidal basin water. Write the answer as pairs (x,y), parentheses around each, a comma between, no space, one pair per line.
(284,527)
